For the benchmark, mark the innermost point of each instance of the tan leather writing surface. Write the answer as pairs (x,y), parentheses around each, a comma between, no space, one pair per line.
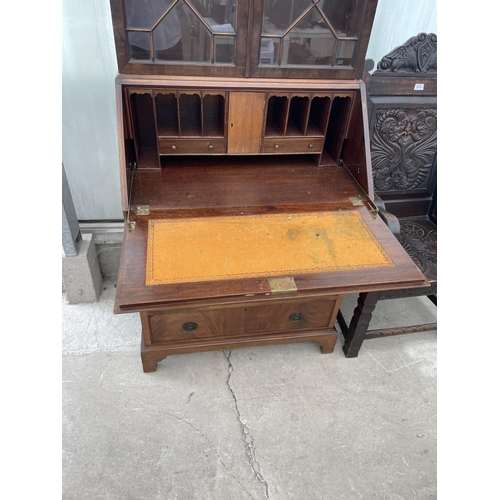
(221,248)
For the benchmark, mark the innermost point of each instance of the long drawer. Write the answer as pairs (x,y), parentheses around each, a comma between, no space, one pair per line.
(190,146)
(234,320)
(293,145)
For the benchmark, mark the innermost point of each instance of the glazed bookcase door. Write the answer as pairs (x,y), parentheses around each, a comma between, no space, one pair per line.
(310,38)
(181,37)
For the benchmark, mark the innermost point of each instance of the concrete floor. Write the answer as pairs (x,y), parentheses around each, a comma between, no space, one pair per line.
(279,422)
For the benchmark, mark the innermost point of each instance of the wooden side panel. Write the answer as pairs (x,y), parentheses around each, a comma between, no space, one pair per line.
(356,151)
(121,126)
(245,122)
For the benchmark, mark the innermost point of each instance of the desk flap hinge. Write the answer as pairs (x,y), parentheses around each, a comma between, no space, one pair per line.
(142,210)
(356,201)
(281,286)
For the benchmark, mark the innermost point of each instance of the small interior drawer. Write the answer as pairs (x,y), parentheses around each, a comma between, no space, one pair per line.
(293,145)
(191,146)
(248,318)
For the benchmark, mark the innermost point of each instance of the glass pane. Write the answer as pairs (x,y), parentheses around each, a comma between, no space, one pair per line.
(345,51)
(341,14)
(181,31)
(139,46)
(224,49)
(143,14)
(181,36)
(223,22)
(309,32)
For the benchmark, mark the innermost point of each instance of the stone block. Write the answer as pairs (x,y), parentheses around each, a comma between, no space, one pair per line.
(81,274)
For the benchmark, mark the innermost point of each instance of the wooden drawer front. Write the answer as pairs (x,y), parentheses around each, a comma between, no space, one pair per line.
(289,315)
(231,321)
(293,145)
(185,324)
(191,146)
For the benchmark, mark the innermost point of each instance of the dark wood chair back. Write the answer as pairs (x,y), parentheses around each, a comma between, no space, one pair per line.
(402,110)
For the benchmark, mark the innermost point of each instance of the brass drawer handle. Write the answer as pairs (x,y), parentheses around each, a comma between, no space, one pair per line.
(295,317)
(276,146)
(189,327)
(174,147)
(210,146)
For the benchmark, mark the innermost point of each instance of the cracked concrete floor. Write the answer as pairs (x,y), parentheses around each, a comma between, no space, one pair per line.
(278,422)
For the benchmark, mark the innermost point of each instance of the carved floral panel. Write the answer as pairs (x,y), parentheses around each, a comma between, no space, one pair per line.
(403,148)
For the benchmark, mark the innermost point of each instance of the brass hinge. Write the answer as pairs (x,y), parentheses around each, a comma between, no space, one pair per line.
(356,201)
(142,210)
(281,286)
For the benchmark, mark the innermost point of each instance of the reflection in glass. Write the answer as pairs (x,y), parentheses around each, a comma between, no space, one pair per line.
(198,31)
(139,45)
(309,32)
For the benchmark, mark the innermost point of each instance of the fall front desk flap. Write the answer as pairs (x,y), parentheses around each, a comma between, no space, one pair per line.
(225,248)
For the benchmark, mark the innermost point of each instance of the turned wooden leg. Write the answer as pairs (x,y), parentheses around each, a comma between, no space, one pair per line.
(359,323)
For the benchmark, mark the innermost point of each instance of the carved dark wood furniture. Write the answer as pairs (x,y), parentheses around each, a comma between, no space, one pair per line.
(403,130)
(245,172)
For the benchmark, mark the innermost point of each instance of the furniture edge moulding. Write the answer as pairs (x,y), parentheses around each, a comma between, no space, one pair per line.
(233,83)
(122,114)
(366,133)
(135,90)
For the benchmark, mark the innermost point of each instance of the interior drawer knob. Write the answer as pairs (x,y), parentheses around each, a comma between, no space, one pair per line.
(174,147)
(189,327)
(311,146)
(210,146)
(276,146)
(295,317)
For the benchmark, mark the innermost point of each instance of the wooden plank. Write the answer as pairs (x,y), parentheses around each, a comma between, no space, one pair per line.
(246,184)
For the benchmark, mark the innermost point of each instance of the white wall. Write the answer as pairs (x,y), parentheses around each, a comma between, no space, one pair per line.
(398,20)
(89,133)
(89,140)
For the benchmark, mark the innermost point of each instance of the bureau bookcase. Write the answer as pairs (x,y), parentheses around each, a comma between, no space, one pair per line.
(245,172)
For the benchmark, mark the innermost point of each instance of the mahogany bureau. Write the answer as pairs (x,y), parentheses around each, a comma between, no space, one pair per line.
(245,172)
